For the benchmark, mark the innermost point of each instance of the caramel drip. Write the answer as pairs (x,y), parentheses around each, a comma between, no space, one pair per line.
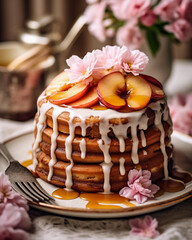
(65,194)
(27,163)
(171,185)
(105,201)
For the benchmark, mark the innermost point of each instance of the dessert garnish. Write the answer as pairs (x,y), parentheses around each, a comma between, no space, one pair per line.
(110,76)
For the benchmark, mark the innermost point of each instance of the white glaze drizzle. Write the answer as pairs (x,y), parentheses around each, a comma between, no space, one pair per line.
(137,120)
(82,146)
(122,166)
(143,139)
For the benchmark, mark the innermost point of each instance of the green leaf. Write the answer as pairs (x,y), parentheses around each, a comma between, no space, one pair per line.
(153,41)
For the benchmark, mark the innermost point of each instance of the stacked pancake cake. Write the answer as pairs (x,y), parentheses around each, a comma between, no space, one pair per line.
(96,124)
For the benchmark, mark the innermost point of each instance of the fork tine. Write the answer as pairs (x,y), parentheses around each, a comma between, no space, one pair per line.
(18,190)
(43,191)
(26,191)
(35,189)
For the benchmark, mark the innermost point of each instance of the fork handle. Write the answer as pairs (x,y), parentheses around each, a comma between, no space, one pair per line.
(5,153)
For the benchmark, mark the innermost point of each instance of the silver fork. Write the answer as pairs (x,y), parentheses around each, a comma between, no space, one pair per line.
(23,181)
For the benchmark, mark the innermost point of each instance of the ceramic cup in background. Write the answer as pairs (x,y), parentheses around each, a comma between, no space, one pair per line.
(19,90)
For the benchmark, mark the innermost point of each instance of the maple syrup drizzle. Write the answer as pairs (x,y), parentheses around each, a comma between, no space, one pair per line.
(65,194)
(105,201)
(27,163)
(171,185)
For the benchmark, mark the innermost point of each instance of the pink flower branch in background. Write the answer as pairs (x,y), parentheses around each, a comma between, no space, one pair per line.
(131,21)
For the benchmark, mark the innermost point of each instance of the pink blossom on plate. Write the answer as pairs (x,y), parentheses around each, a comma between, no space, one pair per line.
(94,16)
(144,227)
(167,9)
(181,29)
(138,8)
(140,187)
(130,35)
(148,19)
(134,61)
(185,10)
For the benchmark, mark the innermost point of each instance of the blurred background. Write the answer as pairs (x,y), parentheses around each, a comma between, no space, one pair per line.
(15,13)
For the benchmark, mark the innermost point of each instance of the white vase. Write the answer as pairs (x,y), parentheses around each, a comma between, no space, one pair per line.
(159,66)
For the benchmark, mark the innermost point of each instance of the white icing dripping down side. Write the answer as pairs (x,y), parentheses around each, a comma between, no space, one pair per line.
(144,152)
(106,173)
(40,127)
(159,125)
(54,135)
(122,166)
(143,139)
(135,143)
(82,146)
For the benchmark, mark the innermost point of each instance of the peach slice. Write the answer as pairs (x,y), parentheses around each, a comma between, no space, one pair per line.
(99,107)
(157,92)
(90,99)
(70,95)
(59,83)
(139,92)
(152,80)
(109,90)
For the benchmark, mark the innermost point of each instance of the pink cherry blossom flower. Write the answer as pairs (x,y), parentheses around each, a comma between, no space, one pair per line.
(181,29)
(119,8)
(7,195)
(144,227)
(94,16)
(185,10)
(134,61)
(14,216)
(138,8)
(129,35)
(167,10)
(81,69)
(139,187)
(148,19)
(13,234)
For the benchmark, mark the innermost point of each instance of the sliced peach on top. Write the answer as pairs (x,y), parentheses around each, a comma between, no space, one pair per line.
(59,83)
(157,92)
(152,80)
(139,92)
(109,90)
(70,95)
(88,100)
(98,106)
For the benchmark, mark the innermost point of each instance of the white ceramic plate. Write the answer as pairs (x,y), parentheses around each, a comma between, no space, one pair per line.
(182,143)
(20,148)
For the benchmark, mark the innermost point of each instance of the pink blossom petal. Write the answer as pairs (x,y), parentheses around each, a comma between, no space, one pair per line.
(13,234)
(144,227)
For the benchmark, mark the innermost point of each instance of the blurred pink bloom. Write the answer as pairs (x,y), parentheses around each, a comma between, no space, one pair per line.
(181,113)
(148,19)
(134,61)
(167,9)
(129,35)
(138,8)
(9,233)
(185,10)
(181,28)
(119,8)
(7,195)
(81,69)
(94,15)
(139,187)
(14,216)
(144,227)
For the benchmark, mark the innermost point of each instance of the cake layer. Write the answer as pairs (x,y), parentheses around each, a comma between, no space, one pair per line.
(85,176)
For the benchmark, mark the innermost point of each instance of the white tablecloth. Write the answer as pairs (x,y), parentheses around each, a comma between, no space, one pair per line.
(175,223)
